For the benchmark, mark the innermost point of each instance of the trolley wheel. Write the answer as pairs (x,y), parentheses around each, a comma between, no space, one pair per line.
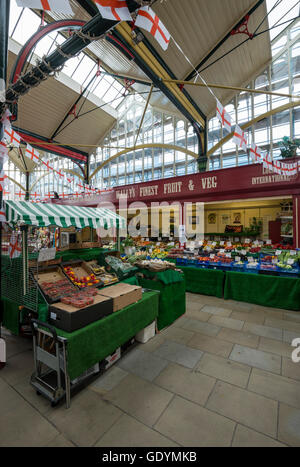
(38,393)
(54,403)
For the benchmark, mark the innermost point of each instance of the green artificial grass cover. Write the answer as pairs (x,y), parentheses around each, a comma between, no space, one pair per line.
(93,343)
(272,291)
(204,281)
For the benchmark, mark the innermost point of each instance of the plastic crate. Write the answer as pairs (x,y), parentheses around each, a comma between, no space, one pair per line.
(181,261)
(268,272)
(238,267)
(294,272)
(251,270)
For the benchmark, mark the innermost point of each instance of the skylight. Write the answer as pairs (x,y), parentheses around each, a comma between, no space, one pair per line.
(24,23)
(281,14)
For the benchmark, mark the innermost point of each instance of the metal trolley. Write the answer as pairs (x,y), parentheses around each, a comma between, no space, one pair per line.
(50,377)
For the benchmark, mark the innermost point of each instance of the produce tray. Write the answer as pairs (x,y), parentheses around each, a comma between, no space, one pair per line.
(52,274)
(81,270)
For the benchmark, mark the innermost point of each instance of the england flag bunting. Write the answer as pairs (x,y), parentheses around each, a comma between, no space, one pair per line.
(267,162)
(148,20)
(14,246)
(59,6)
(277,168)
(12,137)
(116,10)
(255,152)
(5,120)
(239,138)
(223,116)
(32,153)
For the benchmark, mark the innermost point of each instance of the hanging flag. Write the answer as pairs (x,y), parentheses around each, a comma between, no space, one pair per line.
(267,162)
(116,10)
(148,20)
(59,6)
(223,116)
(32,153)
(14,245)
(255,151)
(239,138)
(3,179)
(277,168)
(12,137)
(6,121)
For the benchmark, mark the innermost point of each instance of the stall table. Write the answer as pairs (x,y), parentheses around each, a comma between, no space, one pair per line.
(204,281)
(260,289)
(171,285)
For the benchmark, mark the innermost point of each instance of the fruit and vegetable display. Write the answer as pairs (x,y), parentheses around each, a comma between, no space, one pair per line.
(83,281)
(96,269)
(56,289)
(118,266)
(80,299)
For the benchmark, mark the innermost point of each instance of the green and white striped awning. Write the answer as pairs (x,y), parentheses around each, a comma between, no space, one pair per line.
(45,214)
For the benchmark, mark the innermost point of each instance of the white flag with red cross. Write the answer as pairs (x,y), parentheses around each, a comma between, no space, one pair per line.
(12,137)
(267,162)
(59,6)
(6,121)
(14,245)
(148,20)
(277,167)
(223,116)
(240,138)
(116,10)
(3,179)
(255,152)
(32,153)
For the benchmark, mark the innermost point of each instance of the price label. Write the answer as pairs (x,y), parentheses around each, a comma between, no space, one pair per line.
(290,261)
(208,249)
(214,243)
(274,260)
(278,252)
(243,252)
(147,239)
(256,242)
(236,239)
(228,255)
(212,256)
(157,244)
(46,254)
(247,240)
(222,251)
(172,244)
(222,243)
(250,259)
(293,252)
(159,239)
(269,242)
(237,259)
(201,243)
(229,244)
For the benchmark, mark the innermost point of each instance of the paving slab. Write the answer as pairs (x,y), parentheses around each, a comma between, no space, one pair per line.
(227,322)
(263,331)
(277,347)
(186,383)
(205,328)
(239,337)
(18,367)
(292,316)
(256,358)
(212,345)
(110,379)
(180,321)
(178,353)
(60,442)
(224,369)
(86,420)
(139,398)
(188,424)
(247,408)
(289,336)
(16,345)
(28,392)
(283,324)
(275,387)
(196,314)
(179,335)
(214,310)
(143,364)
(289,425)
(247,438)
(249,317)
(128,432)
(290,369)
(16,416)
(152,344)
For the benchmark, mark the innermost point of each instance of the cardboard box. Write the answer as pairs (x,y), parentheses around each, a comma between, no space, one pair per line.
(52,274)
(69,318)
(113,358)
(122,295)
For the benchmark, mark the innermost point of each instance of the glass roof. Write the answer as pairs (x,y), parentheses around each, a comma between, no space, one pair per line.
(24,23)
(281,14)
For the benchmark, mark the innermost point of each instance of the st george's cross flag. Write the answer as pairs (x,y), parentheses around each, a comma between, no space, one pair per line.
(277,168)
(59,6)
(32,153)
(223,116)
(116,10)
(148,20)
(239,138)
(255,152)
(12,137)
(14,245)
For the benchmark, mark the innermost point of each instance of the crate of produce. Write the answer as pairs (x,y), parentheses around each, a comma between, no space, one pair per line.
(94,268)
(120,268)
(53,283)
(252,267)
(79,310)
(79,273)
(238,266)
(268,269)
(288,270)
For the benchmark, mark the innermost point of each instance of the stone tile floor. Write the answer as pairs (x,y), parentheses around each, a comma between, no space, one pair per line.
(221,375)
